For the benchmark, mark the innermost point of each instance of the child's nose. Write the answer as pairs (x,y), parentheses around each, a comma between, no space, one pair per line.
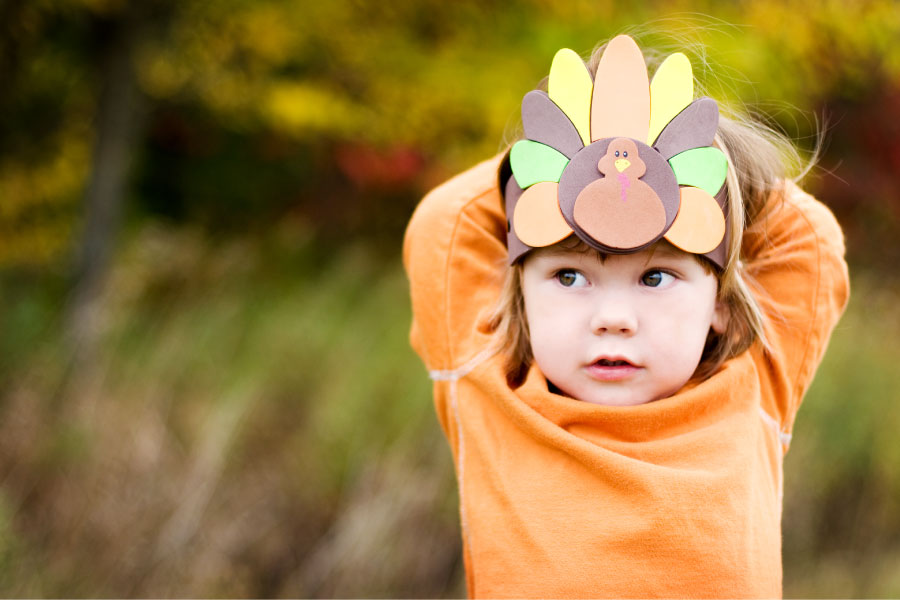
(614,315)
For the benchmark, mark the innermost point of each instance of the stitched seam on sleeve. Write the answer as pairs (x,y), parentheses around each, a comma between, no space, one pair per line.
(783,436)
(468,367)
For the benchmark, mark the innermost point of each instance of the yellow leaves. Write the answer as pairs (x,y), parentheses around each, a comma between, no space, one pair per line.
(305,108)
(225,59)
(161,77)
(35,199)
(37,246)
(837,44)
(23,185)
(269,33)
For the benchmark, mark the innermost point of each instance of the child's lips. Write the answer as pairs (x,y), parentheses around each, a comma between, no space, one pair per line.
(611,368)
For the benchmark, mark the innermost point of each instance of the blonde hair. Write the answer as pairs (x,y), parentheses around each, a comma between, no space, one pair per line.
(759,159)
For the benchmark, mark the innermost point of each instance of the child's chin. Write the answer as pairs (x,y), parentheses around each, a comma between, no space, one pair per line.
(614,397)
(620,401)
(604,394)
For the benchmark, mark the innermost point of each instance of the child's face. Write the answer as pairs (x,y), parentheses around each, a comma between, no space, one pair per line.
(625,330)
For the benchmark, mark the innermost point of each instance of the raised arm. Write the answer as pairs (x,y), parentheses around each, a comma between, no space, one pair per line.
(455,254)
(795,255)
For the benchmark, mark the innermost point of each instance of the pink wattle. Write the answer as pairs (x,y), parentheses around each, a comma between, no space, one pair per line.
(624,184)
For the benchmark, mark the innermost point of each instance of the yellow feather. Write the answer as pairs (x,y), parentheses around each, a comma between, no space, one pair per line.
(671,90)
(570,88)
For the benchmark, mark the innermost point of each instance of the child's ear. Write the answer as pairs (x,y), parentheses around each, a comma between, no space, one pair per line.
(721,315)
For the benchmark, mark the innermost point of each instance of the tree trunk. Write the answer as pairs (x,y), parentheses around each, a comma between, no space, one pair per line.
(118,123)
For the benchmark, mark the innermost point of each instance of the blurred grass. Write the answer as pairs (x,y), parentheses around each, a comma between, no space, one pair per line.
(247,429)
(255,424)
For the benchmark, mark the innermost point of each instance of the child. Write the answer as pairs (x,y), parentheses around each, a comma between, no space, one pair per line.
(619,398)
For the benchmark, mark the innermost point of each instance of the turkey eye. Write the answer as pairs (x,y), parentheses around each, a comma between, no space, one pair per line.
(617,152)
(625,154)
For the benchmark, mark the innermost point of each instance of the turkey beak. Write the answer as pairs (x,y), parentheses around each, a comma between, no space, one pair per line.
(622,164)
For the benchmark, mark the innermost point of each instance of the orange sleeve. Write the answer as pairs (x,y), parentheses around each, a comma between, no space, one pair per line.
(795,258)
(454,253)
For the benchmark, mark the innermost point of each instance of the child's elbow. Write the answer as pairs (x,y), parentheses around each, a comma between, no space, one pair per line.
(423,226)
(834,273)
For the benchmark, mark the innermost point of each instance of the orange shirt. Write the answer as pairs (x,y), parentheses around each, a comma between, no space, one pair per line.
(559,498)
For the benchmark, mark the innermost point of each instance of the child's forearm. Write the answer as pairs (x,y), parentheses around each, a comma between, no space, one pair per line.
(795,260)
(454,253)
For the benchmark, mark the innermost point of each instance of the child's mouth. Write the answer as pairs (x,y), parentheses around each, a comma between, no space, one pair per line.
(611,369)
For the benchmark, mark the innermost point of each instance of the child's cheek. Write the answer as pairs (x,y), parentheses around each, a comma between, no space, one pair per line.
(689,325)
(551,331)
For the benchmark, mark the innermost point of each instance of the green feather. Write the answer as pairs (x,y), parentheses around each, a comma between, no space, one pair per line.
(704,168)
(533,162)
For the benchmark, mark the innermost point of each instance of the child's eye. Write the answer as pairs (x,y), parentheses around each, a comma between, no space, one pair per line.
(657,278)
(570,278)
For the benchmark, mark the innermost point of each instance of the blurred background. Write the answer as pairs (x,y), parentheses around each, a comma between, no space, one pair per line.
(205,382)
